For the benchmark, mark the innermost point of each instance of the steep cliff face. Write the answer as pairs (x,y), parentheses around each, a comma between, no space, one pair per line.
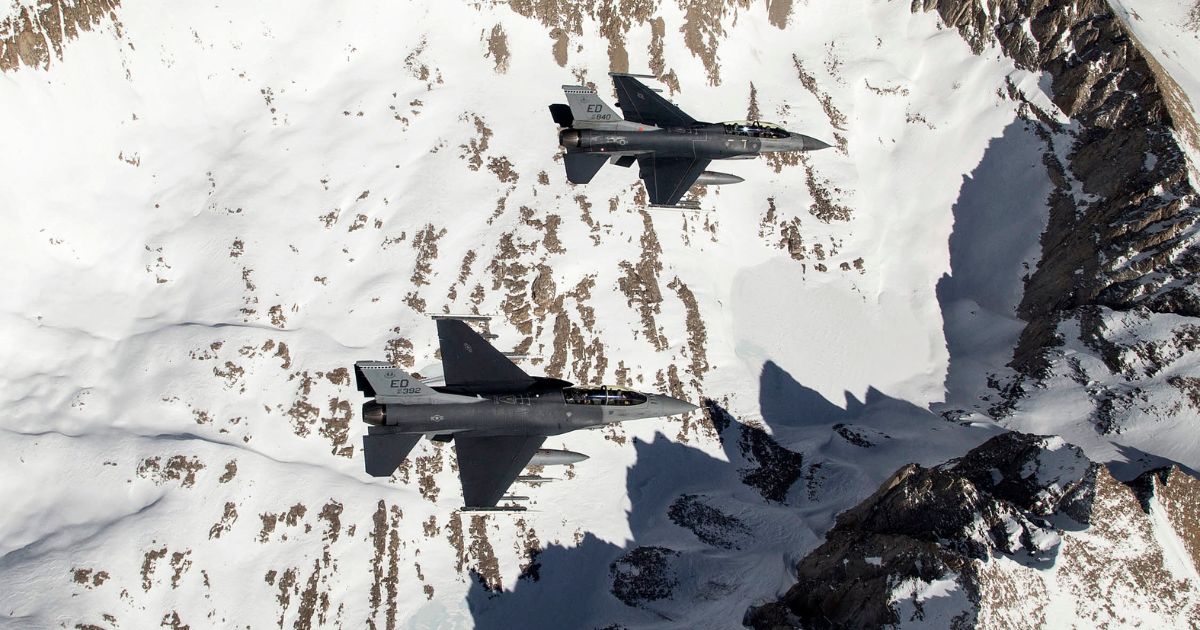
(216,208)
(1023,531)
(1122,229)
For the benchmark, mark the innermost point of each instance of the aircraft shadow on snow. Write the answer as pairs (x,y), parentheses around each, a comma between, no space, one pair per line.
(572,586)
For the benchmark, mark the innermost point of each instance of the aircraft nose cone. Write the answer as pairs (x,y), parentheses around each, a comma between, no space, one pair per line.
(672,406)
(812,144)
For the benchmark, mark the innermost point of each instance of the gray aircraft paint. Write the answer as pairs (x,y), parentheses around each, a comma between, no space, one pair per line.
(671,148)
(710,141)
(496,414)
(515,414)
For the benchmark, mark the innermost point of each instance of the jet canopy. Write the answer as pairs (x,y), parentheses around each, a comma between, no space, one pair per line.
(755,129)
(603,395)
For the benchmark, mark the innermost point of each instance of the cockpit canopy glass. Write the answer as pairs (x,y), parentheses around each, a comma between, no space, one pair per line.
(755,129)
(603,396)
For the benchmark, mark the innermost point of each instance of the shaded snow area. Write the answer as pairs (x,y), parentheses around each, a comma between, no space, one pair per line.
(212,210)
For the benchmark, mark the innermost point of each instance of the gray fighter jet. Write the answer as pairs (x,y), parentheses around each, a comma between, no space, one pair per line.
(496,414)
(671,148)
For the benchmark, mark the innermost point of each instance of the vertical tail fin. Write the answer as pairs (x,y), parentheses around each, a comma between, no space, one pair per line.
(389,384)
(587,108)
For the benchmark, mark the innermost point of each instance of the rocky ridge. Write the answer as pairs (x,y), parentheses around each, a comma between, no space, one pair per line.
(549,277)
(1122,230)
(1022,531)
(35,36)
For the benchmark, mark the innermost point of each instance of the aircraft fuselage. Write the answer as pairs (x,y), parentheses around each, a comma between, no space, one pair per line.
(545,413)
(707,141)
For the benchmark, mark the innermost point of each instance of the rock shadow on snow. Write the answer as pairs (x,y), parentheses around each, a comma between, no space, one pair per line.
(697,522)
(999,217)
(585,584)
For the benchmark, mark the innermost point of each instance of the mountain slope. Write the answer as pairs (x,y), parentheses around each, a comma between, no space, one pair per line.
(213,210)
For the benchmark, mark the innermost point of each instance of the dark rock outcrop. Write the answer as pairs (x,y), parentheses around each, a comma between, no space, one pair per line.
(644,574)
(710,525)
(985,526)
(1121,227)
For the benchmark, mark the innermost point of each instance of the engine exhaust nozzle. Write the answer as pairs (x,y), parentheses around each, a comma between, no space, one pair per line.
(569,138)
(374,413)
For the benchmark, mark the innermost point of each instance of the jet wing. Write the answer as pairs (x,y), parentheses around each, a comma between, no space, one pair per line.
(385,448)
(487,466)
(470,363)
(667,179)
(643,105)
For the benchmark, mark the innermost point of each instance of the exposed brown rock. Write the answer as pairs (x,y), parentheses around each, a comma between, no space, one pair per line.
(89,578)
(778,12)
(149,561)
(425,243)
(34,36)
(697,335)
(824,206)
(486,563)
(559,49)
(228,518)
(640,283)
(331,513)
(379,543)
(752,112)
(336,427)
(475,148)
(177,468)
(503,170)
(179,565)
(428,466)
(836,118)
(498,48)
(398,351)
(702,32)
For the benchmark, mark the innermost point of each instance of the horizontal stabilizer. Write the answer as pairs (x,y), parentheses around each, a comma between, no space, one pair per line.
(561,113)
(582,167)
(384,450)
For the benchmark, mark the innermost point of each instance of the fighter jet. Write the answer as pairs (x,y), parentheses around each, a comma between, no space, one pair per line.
(671,148)
(497,415)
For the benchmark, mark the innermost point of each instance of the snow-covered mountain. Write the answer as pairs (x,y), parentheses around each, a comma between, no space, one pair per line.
(212,210)
(1021,532)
